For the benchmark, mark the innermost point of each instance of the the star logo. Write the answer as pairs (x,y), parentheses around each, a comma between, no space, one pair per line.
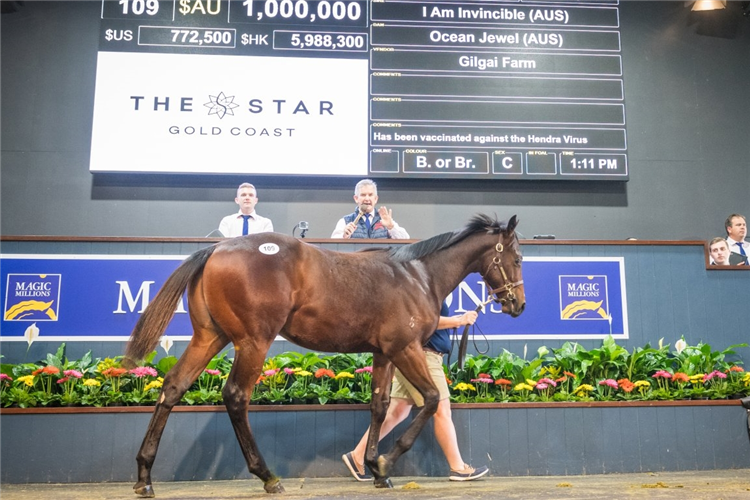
(221,105)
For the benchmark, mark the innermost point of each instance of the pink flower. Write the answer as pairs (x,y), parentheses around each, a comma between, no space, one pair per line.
(482,380)
(548,382)
(271,373)
(288,371)
(73,373)
(609,382)
(662,374)
(367,369)
(715,373)
(62,380)
(541,385)
(3,376)
(215,373)
(142,371)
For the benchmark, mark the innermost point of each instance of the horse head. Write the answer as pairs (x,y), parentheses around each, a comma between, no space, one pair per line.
(502,268)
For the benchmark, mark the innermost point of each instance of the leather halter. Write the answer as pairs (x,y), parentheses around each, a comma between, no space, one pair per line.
(509,296)
(508,285)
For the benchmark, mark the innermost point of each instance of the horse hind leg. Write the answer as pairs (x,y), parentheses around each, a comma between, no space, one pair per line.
(203,346)
(382,374)
(413,366)
(248,363)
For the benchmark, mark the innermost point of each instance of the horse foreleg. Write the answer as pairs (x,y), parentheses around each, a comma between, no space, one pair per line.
(246,368)
(382,376)
(177,381)
(413,366)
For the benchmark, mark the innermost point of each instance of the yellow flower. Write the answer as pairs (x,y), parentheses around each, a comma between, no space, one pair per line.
(344,375)
(583,388)
(303,373)
(92,382)
(154,384)
(27,379)
(463,386)
(524,387)
(642,383)
(746,379)
(532,383)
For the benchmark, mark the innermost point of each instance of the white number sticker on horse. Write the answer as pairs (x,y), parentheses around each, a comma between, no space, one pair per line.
(269,248)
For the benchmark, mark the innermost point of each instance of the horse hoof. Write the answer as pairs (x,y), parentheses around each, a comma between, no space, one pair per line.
(274,487)
(383,482)
(146,491)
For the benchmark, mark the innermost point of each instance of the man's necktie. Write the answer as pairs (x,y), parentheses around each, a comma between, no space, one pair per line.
(742,250)
(367,223)
(245,228)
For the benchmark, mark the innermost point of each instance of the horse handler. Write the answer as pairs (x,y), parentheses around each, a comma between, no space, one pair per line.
(404,396)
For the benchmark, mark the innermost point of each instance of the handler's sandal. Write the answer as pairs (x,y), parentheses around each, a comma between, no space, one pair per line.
(468,473)
(358,471)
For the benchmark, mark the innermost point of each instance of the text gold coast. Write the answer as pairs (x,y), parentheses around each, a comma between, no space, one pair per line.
(259,132)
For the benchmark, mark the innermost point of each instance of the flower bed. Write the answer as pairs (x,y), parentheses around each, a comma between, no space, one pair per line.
(567,374)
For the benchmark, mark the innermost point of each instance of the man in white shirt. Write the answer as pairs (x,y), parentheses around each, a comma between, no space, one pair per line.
(370,224)
(246,221)
(736,227)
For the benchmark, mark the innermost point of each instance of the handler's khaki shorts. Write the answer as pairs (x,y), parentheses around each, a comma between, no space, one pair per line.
(403,389)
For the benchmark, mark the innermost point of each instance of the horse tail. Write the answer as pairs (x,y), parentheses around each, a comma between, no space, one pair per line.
(158,314)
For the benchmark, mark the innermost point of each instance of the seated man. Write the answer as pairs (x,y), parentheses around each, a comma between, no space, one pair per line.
(719,252)
(247,220)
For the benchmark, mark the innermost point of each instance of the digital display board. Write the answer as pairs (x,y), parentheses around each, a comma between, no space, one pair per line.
(436,89)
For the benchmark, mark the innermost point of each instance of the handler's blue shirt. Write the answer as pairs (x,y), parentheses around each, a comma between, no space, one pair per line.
(440,341)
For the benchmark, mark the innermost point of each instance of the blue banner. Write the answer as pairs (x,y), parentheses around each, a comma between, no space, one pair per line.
(100,297)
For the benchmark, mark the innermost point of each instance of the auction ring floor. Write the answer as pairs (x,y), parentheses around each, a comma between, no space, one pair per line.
(709,485)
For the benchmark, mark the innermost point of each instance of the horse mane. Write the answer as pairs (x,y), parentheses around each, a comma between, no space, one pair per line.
(477,224)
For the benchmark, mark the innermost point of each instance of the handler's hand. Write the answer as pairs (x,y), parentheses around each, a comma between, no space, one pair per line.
(468,318)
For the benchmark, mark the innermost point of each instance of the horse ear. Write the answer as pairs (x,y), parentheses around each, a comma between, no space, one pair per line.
(512,223)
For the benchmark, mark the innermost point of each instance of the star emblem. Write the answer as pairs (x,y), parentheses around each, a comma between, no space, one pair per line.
(221,105)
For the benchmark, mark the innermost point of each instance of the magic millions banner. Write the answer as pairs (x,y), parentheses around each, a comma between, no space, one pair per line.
(100,297)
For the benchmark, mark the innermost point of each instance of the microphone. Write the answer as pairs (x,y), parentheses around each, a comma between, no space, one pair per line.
(303,227)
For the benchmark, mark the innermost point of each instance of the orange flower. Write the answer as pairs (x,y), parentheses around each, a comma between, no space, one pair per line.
(561,379)
(626,385)
(448,380)
(50,370)
(324,372)
(737,369)
(261,378)
(571,375)
(680,377)
(37,371)
(503,381)
(114,372)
